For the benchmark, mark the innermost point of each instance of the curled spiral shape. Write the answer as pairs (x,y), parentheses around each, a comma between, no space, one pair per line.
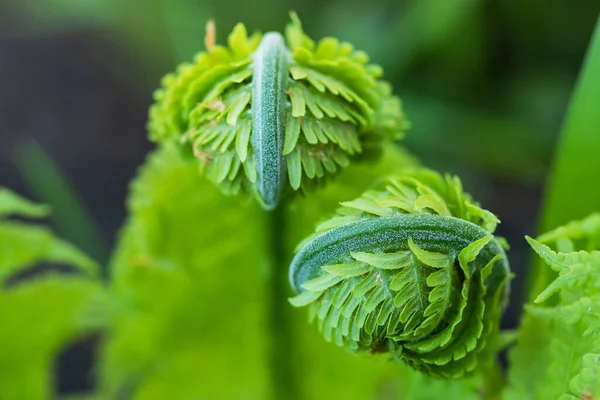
(412,269)
(268,115)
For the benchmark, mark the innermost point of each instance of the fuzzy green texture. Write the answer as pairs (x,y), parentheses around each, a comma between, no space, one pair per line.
(316,109)
(269,84)
(410,268)
(13,204)
(570,367)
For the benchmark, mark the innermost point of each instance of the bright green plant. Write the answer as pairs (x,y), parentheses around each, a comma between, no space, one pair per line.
(258,114)
(412,269)
(197,301)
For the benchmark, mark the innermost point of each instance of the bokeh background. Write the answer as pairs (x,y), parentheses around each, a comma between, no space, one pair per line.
(485,84)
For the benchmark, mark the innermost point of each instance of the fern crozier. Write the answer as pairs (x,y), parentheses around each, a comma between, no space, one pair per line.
(270,116)
(411,269)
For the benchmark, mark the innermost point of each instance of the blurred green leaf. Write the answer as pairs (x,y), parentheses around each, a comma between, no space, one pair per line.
(572,190)
(38,319)
(13,204)
(24,245)
(39,316)
(190,274)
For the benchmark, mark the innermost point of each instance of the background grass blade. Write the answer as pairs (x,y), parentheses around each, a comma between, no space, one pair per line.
(572,190)
(69,214)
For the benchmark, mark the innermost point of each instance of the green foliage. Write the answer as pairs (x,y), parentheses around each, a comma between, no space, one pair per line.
(408,267)
(12,204)
(570,195)
(212,313)
(579,143)
(43,316)
(40,316)
(572,370)
(373,289)
(206,313)
(192,295)
(23,245)
(329,103)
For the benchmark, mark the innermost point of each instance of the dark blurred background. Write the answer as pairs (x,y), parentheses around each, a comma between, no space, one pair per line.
(484,83)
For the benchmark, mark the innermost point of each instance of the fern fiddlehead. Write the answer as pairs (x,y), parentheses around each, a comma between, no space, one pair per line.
(411,268)
(268,115)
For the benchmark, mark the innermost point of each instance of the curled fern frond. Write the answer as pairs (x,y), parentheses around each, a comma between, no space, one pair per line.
(411,268)
(265,117)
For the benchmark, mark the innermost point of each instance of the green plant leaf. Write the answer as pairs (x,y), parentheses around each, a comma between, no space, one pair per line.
(13,204)
(42,314)
(191,276)
(570,344)
(24,245)
(38,319)
(570,193)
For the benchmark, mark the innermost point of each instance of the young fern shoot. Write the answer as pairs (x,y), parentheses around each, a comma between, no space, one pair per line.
(269,116)
(411,268)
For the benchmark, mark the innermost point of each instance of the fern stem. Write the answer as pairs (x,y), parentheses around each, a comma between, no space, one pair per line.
(437,233)
(282,374)
(494,381)
(269,84)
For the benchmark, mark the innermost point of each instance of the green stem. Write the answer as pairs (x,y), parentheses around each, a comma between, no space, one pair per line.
(269,84)
(493,380)
(392,233)
(284,383)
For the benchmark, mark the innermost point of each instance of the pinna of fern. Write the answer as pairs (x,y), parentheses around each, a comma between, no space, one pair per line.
(412,269)
(573,322)
(268,115)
